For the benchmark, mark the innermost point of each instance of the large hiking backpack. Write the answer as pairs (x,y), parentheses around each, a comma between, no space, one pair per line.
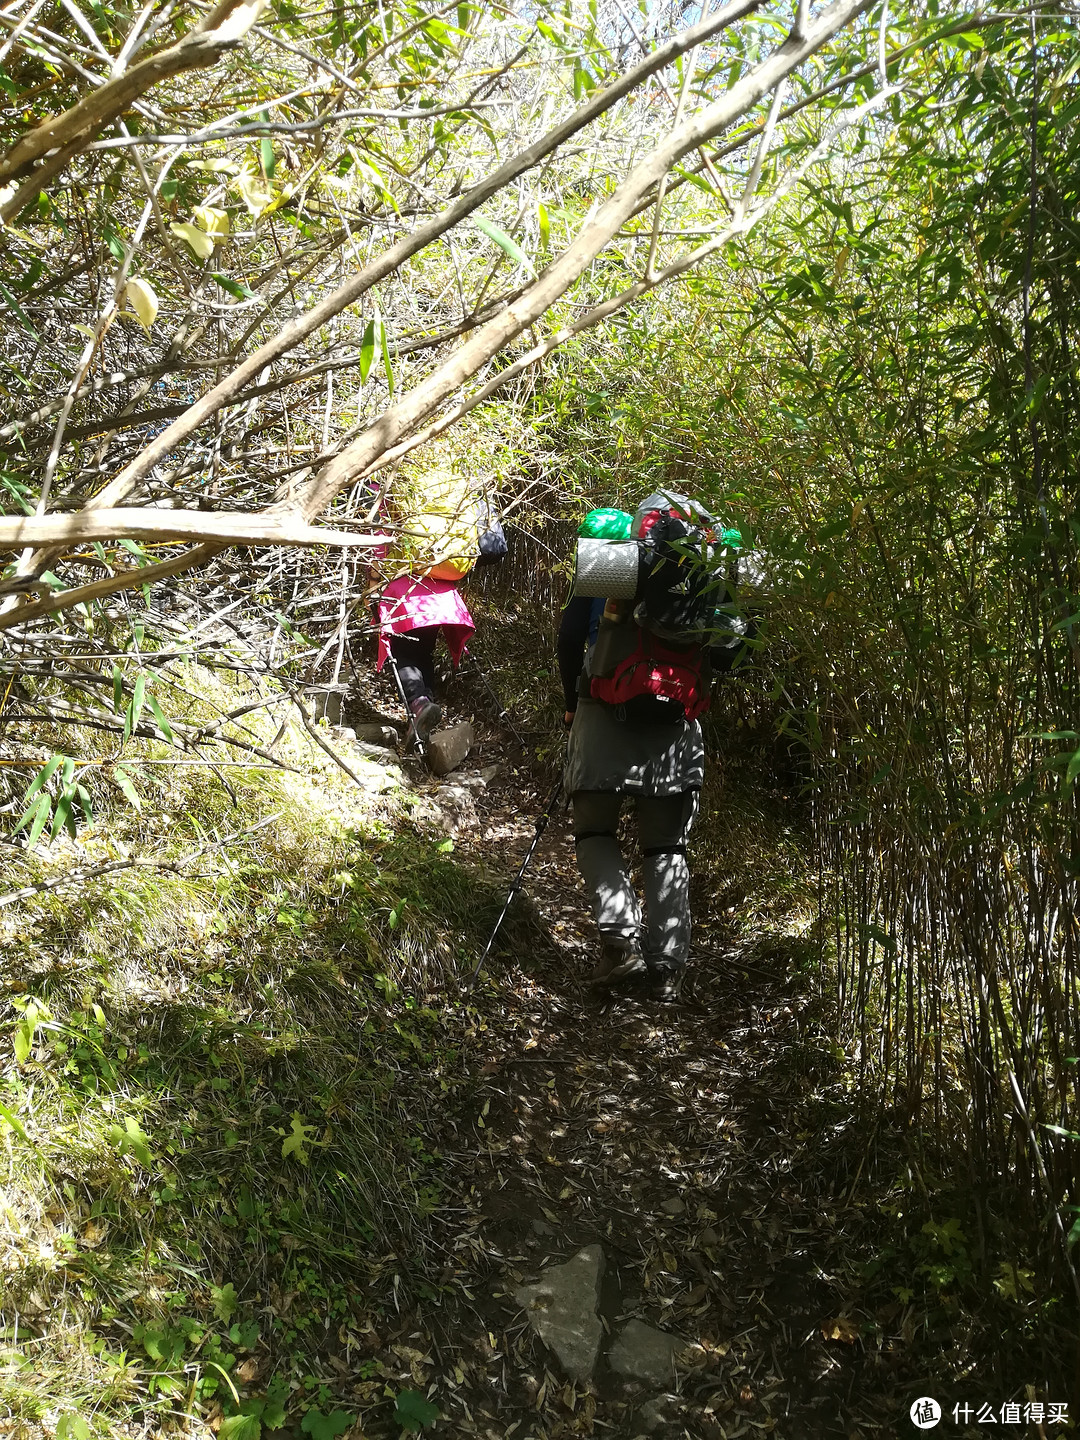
(651,658)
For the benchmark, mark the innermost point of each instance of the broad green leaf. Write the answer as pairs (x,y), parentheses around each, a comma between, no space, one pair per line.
(413,1412)
(240,1427)
(225,1301)
(198,240)
(64,816)
(135,707)
(16,1125)
(44,775)
(326,1427)
(38,814)
(18,312)
(131,1140)
(504,241)
(82,797)
(72,1427)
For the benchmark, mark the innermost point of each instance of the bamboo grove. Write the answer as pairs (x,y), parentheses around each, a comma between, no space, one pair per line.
(883,386)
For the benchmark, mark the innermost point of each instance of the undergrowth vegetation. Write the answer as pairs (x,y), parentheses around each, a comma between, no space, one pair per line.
(214,1073)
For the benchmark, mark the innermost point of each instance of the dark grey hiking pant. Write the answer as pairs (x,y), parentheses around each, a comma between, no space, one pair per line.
(663,823)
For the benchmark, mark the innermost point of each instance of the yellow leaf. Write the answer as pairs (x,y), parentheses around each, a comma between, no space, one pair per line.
(199,241)
(254,193)
(87,330)
(840,1329)
(214,221)
(214,167)
(140,296)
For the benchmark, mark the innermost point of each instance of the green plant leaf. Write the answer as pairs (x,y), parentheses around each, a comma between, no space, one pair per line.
(72,1427)
(241,1427)
(413,1412)
(159,716)
(123,779)
(325,1427)
(232,287)
(367,351)
(504,242)
(225,1301)
(135,706)
(298,1139)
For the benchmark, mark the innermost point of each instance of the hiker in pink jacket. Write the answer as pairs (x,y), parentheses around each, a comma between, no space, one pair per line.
(412,610)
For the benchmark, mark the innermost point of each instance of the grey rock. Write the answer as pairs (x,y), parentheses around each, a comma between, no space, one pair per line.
(562,1309)
(377,753)
(327,701)
(674,1206)
(456,812)
(448,748)
(640,1352)
(654,1413)
(376,734)
(490,773)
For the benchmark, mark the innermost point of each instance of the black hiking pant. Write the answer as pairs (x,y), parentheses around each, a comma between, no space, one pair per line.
(414,656)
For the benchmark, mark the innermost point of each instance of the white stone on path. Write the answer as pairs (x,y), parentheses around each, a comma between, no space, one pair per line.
(562,1309)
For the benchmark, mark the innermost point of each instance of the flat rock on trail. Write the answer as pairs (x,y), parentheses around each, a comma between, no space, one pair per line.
(683,1141)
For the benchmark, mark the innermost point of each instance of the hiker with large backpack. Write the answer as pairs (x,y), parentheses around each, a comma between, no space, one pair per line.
(445,531)
(651,599)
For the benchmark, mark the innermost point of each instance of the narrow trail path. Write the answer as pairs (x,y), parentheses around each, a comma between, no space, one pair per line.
(701,1146)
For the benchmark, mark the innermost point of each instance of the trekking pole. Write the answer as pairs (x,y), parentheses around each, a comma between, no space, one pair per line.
(412,732)
(501,712)
(541,826)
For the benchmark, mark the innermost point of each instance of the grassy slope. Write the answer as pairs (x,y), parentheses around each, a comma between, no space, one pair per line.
(213,1085)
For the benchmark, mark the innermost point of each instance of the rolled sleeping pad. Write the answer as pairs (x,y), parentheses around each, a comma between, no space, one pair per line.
(612,569)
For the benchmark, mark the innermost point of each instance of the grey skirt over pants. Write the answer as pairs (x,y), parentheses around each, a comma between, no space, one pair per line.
(662,768)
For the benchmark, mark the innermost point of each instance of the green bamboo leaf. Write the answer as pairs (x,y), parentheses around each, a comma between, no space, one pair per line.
(123,779)
(16,1125)
(63,816)
(23,321)
(367,351)
(44,776)
(545,224)
(41,816)
(134,709)
(117,688)
(232,287)
(159,716)
(504,242)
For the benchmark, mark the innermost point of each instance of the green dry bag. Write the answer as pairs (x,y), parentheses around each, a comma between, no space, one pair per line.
(605,525)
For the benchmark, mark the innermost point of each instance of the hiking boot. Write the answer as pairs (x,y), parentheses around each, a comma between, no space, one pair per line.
(426,715)
(665,982)
(618,961)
